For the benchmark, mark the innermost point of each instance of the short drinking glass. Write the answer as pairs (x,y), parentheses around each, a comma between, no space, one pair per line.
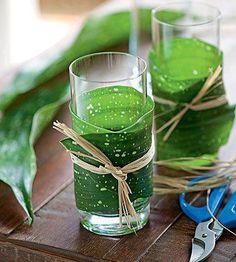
(110,109)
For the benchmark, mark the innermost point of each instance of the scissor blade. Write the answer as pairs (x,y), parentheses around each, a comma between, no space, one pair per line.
(197,251)
(200,251)
(203,242)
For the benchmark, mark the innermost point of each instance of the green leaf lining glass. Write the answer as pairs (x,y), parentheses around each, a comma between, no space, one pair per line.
(185,52)
(110,108)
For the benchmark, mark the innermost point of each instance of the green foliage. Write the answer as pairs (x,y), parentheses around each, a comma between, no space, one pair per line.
(22,124)
(19,128)
(131,140)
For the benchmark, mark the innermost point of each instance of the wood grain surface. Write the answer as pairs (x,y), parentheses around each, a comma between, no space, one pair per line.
(57,235)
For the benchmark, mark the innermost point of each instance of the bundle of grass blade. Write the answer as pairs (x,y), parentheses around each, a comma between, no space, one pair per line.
(220,173)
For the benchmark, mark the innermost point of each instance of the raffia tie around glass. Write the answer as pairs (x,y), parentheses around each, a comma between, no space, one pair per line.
(107,168)
(196,104)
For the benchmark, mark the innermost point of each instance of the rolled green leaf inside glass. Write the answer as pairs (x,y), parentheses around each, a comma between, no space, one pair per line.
(116,117)
(185,52)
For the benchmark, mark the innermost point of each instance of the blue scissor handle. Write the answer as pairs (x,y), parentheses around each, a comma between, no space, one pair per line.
(228,214)
(200,214)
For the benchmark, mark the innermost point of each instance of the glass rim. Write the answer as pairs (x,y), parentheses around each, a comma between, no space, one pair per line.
(160,7)
(141,72)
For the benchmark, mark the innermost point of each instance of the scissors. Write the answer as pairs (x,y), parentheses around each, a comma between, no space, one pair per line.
(208,230)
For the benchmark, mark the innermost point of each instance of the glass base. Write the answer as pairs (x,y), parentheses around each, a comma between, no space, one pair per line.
(109,225)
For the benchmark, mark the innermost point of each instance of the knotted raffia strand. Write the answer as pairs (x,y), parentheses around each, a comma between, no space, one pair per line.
(195,104)
(119,173)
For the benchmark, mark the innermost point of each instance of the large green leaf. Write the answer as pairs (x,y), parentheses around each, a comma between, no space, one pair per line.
(97,34)
(19,128)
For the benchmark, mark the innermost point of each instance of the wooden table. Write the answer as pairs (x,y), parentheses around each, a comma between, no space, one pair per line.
(57,235)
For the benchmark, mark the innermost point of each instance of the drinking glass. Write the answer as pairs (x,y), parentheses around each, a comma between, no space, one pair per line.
(185,53)
(111,109)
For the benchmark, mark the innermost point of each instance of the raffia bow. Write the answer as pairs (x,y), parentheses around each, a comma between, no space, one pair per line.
(195,104)
(119,173)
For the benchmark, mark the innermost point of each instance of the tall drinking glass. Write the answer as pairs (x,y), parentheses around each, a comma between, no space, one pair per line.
(110,108)
(185,53)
